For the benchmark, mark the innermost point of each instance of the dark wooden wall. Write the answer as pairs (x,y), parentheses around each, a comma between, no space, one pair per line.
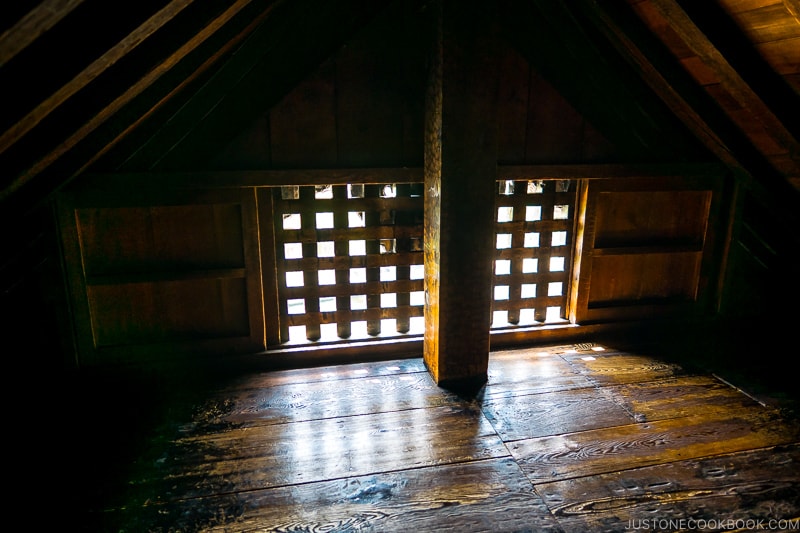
(364,107)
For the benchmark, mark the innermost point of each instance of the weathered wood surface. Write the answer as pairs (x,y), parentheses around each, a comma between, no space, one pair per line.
(460,167)
(620,367)
(319,400)
(463,497)
(535,415)
(760,485)
(259,457)
(612,449)
(567,438)
(530,371)
(681,396)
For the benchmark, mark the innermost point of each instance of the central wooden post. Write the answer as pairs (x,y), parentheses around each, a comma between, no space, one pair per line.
(460,174)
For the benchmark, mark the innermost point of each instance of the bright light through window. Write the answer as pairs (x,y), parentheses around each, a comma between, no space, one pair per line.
(503,241)
(294,279)
(324,220)
(358,248)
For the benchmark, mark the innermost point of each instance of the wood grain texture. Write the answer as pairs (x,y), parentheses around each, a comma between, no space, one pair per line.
(535,415)
(618,448)
(608,368)
(562,438)
(753,485)
(295,402)
(460,169)
(258,457)
(681,396)
(443,498)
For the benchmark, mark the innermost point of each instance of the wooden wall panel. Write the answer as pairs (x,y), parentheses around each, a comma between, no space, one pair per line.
(643,278)
(647,248)
(370,108)
(162,273)
(152,239)
(512,105)
(643,218)
(303,124)
(170,311)
(555,128)
(364,107)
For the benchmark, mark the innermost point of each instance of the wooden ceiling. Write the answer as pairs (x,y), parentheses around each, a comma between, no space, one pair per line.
(139,85)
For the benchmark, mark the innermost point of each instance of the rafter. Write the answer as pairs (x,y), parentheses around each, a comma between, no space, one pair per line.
(91,72)
(127,96)
(38,20)
(793,7)
(695,107)
(297,44)
(740,81)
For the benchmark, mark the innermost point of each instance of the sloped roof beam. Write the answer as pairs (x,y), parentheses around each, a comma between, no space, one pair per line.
(91,72)
(695,107)
(738,68)
(38,20)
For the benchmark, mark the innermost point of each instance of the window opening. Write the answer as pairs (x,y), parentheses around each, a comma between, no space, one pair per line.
(350,261)
(533,255)
(350,258)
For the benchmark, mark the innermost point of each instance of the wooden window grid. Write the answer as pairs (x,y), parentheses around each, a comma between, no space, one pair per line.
(534,250)
(349,260)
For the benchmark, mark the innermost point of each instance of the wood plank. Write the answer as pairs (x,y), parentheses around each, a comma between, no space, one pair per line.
(678,89)
(252,81)
(553,413)
(512,105)
(370,108)
(320,373)
(368,459)
(554,129)
(769,23)
(490,495)
(258,457)
(269,257)
(680,396)
(36,22)
(758,485)
(303,123)
(528,372)
(93,184)
(296,402)
(126,97)
(793,7)
(610,368)
(640,278)
(651,218)
(599,85)
(91,72)
(742,73)
(625,447)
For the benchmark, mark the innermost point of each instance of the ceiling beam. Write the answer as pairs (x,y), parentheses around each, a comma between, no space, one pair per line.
(91,72)
(711,35)
(270,63)
(596,81)
(84,130)
(793,7)
(38,20)
(693,105)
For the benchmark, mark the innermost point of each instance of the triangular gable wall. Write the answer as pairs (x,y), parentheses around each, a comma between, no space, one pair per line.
(364,106)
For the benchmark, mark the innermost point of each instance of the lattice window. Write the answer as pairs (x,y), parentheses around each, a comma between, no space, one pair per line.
(349,261)
(533,255)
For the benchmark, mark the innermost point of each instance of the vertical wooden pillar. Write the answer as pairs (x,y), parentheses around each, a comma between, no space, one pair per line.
(460,174)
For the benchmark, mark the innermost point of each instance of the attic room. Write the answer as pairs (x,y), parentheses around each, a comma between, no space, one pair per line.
(348,265)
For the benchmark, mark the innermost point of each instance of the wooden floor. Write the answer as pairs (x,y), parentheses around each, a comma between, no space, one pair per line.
(573,438)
